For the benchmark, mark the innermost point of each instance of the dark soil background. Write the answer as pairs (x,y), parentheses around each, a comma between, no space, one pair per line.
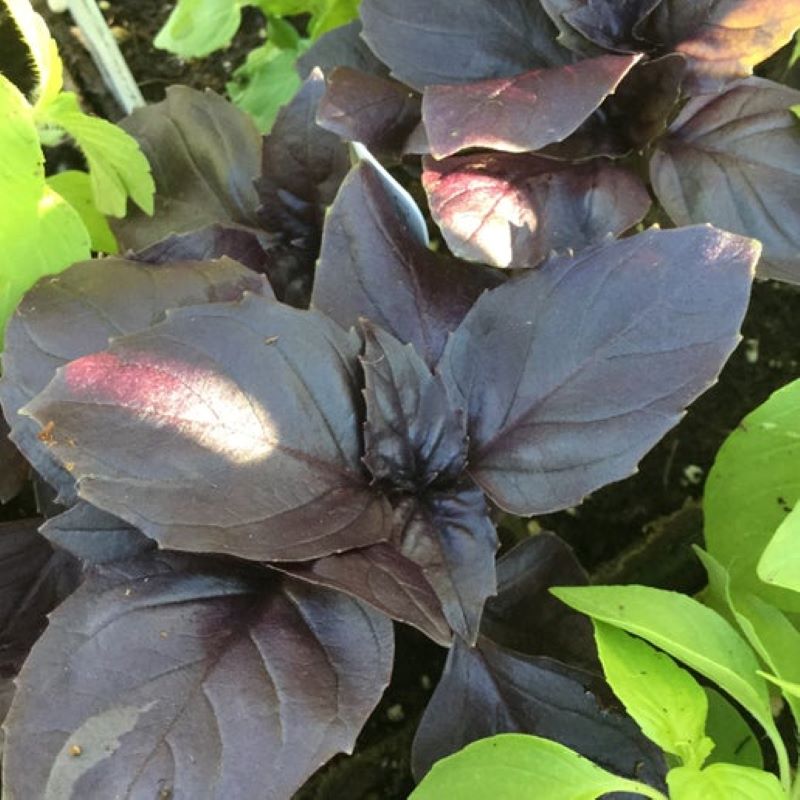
(635,531)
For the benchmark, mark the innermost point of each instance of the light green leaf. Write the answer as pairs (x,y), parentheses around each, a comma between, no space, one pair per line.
(117,167)
(666,702)
(753,484)
(734,740)
(265,82)
(40,233)
(692,633)
(517,767)
(788,687)
(332,14)
(196,28)
(723,782)
(780,562)
(75,187)
(769,632)
(44,51)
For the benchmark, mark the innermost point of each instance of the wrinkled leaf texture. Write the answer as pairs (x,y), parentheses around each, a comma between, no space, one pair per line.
(183,676)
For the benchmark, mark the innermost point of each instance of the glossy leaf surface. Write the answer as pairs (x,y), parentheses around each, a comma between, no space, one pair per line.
(652,317)
(252,406)
(520,114)
(374,265)
(180,674)
(514,210)
(733,159)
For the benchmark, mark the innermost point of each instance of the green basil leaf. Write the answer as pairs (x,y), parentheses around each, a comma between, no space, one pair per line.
(780,562)
(723,782)
(74,186)
(666,702)
(734,740)
(196,28)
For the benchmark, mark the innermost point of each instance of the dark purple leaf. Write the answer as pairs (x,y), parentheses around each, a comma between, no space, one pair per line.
(13,468)
(204,155)
(430,41)
(178,676)
(450,536)
(573,371)
(524,615)
(340,47)
(95,536)
(722,39)
(733,159)
(513,210)
(413,437)
(520,114)
(489,690)
(302,167)
(33,580)
(377,111)
(373,265)
(75,313)
(383,578)
(253,411)
(610,24)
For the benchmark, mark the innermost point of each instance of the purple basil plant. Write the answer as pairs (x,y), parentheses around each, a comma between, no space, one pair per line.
(284,419)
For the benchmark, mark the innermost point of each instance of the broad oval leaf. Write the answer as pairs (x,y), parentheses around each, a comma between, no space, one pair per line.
(448,533)
(733,159)
(666,702)
(573,371)
(723,782)
(377,111)
(413,436)
(340,47)
(385,579)
(180,675)
(751,488)
(488,690)
(525,768)
(204,156)
(196,28)
(253,409)
(374,265)
(722,39)
(77,312)
(425,43)
(688,631)
(513,210)
(520,114)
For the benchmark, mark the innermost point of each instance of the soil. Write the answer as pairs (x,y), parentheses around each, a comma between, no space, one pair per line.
(636,530)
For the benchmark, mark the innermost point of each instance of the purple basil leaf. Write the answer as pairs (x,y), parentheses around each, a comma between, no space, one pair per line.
(253,408)
(33,580)
(610,24)
(573,371)
(733,159)
(520,114)
(13,467)
(372,265)
(515,209)
(180,676)
(524,615)
(340,47)
(723,39)
(429,41)
(94,536)
(377,111)
(413,437)
(75,313)
(204,155)
(450,536)
(385,579)
(488,690)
